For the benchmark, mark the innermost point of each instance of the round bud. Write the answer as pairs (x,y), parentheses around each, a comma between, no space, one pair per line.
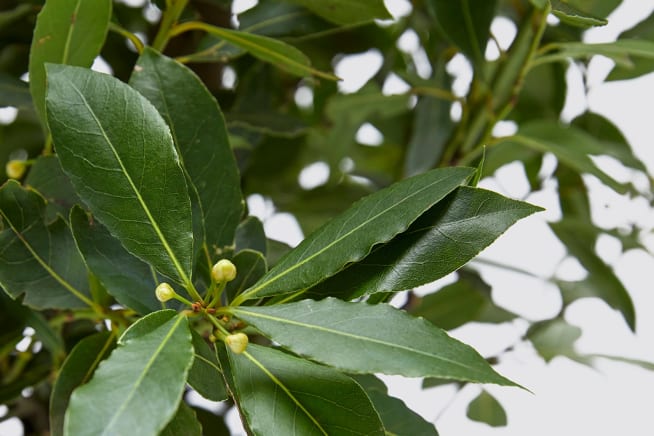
(237,342)
(164,292)
(223,271)
(15,169)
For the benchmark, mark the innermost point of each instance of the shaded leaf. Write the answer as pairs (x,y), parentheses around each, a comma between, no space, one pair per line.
(485,408)
(13,91)
(350,236)
(133,183)
(39,261)
(579,238)
(199,132)
(283,395)
(363,338)
(152,369)
(250,235)
(569,14)
(205,376)
(48,178)
(77,370)
(127,278)
(67,32)
(344,12)
(212,421)
(622,51)
(442,240)
(250,267)
(184,423)
(468,299)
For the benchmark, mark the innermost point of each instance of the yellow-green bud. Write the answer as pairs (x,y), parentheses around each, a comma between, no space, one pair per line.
(223,271)
(15,169)
(164,292)
(237,342)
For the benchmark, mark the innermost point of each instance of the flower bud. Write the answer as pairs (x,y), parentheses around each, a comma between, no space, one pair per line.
(223,271)
(237,342)
(15,169)
(164,292)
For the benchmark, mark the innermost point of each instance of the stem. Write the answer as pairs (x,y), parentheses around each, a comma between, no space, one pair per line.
(138,44)
(171,15)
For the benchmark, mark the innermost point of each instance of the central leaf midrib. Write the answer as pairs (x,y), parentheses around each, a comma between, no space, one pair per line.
(137,193)
(328,246)
(349,335)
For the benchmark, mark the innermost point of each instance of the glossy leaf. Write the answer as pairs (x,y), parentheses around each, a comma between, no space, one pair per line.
(569,144)
(579,239)
(344,12)
(279,394)
(468,299)
(183,423)
(133,183)
(198,129)
(67,32)
(14,92)
(467,24)
(127,278)
(442,240)
(205,375)
(48,178)
(77,370)
(485,408)
(39,261)
(569,14)
(363,338)
(152,369)
(349,237)
(250,267)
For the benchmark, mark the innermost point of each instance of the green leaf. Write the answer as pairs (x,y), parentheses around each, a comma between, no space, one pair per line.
(274,51)
(77,370)
(622,52)
(542,95)
(636,362)
(468,299)
(279,394)
(571,15)
(14,92)
(350,236)
(442,240)
(67,32)
(152,369)
(569,144)
(363,338)
(183,423)
(485,408)
(467,24)
(119,155)
(643,31)
(343,12)
(213,421)
(48,178)
(250,235)
(278,19)
(198,129)
(130,280)
(39,261)
(250,267)
(397,418)
(579,238)
(205,375)
(554,338)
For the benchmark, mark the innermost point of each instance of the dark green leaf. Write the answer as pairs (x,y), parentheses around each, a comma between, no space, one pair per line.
(250,234)
(542,95)
(77,370)
(579,238)
(250,267)
(14,92)
(644,31)
(198,129)
(281,19)
(213,423)
(205,375)
(48,178)
(442,240)
(120,156)
(575,17)
(468,299)
(279,394)
(467,24)
(152,369)
(344,12)
(130,280)
(183,423)
(67,32)
(349,237)
(39,261)
(363,338)
(485,408)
